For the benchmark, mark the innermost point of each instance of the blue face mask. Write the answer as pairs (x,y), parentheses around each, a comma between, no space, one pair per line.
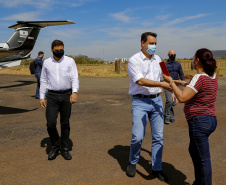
(151,49)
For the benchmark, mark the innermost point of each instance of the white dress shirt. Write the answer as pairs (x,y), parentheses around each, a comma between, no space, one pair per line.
(59,75)
(140,66)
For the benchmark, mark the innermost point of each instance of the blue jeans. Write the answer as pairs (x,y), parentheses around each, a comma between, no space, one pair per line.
(142,110)
(200,128)
(37,75)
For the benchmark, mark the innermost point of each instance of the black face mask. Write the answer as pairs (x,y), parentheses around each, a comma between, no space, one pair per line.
(58,53)
(172,57)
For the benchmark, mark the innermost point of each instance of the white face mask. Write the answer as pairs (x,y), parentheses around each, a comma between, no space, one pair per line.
(151,49)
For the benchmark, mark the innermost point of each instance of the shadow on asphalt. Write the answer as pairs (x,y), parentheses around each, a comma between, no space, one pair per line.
(11,110)
(46,142)
(121,154)
(22,83)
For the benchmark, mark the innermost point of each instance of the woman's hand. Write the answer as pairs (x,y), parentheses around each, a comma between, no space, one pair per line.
(167,78)
(179,82)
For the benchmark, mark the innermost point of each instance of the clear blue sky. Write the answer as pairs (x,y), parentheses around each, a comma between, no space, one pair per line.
(116,25)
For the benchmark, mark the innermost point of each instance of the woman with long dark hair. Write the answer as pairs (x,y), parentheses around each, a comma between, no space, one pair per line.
(199,97)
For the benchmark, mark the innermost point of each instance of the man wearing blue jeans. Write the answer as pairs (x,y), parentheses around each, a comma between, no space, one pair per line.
(145,82)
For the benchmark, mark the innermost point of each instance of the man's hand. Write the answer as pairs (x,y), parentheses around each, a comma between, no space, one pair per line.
(166,86)
(175,100)
(73,97)
(43,103)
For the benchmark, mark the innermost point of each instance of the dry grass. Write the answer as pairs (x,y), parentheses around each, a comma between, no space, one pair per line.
(186,65)
(108,70)
(102,70)
(18,70)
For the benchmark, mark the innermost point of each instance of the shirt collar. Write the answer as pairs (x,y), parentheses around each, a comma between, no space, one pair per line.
(59,60)
(171,62)
(143,57)
(212,77)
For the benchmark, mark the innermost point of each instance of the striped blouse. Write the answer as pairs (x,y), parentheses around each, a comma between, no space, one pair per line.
(203,103)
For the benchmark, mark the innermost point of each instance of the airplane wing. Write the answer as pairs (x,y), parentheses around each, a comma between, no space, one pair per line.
(10,64)
(41,24)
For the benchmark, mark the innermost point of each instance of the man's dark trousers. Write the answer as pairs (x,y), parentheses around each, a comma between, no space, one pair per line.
(37,75)
(169,106)
(58,102)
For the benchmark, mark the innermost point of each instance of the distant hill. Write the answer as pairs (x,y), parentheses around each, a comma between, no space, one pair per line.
(219,54)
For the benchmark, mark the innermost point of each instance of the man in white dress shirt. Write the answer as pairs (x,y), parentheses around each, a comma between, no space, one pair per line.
(60,76)
(145,82)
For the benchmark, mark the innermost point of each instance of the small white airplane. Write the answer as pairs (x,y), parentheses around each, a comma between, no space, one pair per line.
(22,41)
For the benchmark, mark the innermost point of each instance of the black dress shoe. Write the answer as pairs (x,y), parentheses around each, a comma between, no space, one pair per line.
(160,175)
(131,170)
(65,153)
(53,153)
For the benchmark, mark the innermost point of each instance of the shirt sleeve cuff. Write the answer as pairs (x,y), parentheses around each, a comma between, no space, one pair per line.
(137,77)
(42,96)
(192,88)
(75,90)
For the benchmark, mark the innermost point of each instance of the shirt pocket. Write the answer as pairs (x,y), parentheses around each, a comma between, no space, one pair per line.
(66,72)
(204,121)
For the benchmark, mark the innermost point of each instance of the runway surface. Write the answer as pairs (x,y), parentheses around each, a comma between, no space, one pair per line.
(101,124)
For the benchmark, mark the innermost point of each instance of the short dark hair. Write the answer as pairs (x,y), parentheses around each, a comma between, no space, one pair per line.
(205,56)
(145,35)
(57,43)
(40,53)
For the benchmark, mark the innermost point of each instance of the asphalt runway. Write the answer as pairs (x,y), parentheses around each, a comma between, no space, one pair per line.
(101,124)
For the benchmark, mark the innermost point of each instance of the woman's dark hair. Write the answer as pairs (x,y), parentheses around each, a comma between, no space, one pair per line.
(145,35)
(205,56)
(57,43)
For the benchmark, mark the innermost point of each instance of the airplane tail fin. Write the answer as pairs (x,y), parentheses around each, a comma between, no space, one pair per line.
(21,43)
(26,33)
